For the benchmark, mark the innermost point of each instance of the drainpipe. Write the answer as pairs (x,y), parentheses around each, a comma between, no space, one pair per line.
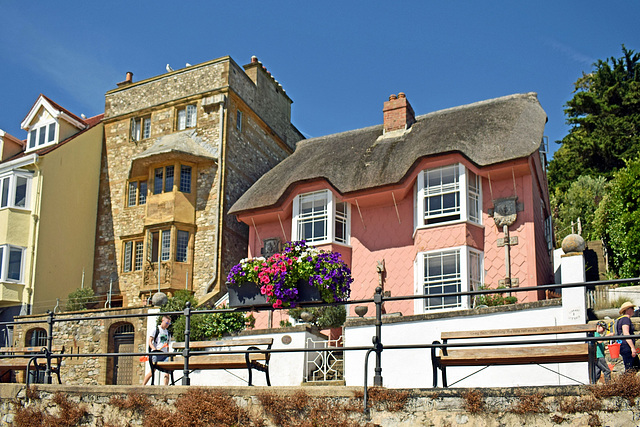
(35,218)
(219,189)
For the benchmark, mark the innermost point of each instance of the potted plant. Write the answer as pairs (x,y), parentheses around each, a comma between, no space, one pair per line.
(294,275)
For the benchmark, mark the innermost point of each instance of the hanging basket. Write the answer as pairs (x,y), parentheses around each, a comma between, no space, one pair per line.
(614,350)
(307,293)
(245,295)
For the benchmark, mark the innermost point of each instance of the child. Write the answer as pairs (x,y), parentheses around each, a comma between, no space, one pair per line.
(601,361)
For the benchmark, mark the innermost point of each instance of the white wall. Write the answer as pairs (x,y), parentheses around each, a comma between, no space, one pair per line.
(630,293)
(412,368)
(285,369)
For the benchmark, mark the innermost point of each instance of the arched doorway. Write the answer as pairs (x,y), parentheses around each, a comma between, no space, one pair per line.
(122,336)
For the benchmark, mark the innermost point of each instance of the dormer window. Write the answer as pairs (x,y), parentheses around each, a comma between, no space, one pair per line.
(447,194)
(187,117)
(42,135)
(319,218)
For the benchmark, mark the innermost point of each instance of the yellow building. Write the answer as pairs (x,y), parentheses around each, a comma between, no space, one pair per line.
(48,204)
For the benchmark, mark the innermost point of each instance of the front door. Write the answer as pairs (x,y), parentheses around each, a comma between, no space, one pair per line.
(123,365)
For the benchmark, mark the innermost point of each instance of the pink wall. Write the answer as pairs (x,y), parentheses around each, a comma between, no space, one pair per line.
(382,229)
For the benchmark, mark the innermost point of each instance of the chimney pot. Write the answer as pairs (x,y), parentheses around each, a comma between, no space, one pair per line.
(401,95)
(129,78)
(392,97)
(254,59)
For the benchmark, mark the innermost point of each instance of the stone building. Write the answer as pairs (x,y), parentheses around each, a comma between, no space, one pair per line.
(180,148)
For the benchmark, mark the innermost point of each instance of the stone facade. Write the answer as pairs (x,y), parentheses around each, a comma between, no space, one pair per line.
(226,125)
(90,333)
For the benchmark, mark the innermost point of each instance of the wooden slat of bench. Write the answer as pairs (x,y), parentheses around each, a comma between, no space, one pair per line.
(225,343)
(494,333)
(516,355)
(215,361)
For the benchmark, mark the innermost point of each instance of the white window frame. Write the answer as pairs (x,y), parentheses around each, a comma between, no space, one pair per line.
(4,263)
(11,192)
(187,117)
(467,194)
(470,262)
(328,214)
(41,131)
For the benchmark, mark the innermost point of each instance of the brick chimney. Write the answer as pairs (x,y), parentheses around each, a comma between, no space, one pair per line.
(398,113)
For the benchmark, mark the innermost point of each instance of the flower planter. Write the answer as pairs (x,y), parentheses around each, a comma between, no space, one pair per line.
(247,294)
(307,293)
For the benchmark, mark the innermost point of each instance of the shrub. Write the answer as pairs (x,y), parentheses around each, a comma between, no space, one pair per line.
(79,299)
(323,317)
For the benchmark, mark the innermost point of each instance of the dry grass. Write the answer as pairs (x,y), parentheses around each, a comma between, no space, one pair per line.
(69,414)
(473,401)
(302,410)
(626,385)
(573,405)
(134,401)
(199,407)
(530,403)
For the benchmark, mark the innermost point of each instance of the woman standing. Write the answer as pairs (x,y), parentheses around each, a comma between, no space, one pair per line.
(628,346)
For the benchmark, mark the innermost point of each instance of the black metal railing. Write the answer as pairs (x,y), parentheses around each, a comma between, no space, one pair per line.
(377,346)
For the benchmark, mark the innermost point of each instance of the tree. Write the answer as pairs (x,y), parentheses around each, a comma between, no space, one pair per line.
(604,115)
(618,220)
(580,201)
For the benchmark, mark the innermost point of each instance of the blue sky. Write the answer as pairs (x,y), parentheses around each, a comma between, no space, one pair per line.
(338,61)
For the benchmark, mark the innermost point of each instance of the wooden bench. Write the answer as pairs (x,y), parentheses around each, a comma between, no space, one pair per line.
(30,359)
(521,354)
(250,361)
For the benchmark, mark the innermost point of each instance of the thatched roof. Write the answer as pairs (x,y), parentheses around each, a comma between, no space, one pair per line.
(486,132)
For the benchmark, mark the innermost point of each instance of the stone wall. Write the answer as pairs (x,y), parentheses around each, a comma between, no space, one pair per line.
(91,334)
(132,406)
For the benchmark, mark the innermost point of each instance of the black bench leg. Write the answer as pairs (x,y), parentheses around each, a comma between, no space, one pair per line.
(266,373)
(444,376)
(250,376)
(434,364)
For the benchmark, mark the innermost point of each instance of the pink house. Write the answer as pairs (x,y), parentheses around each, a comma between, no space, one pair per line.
(432,196)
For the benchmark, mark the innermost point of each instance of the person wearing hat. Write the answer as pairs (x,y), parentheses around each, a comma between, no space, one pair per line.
(601,362)
(628,346)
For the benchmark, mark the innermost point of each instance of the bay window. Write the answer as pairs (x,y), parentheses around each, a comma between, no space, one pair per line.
(11,260)
(447,271)
(14,190)
(318,217)
(447,194)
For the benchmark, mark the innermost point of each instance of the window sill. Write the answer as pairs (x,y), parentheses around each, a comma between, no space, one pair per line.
(15,208)
(445,224)
(327,242)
